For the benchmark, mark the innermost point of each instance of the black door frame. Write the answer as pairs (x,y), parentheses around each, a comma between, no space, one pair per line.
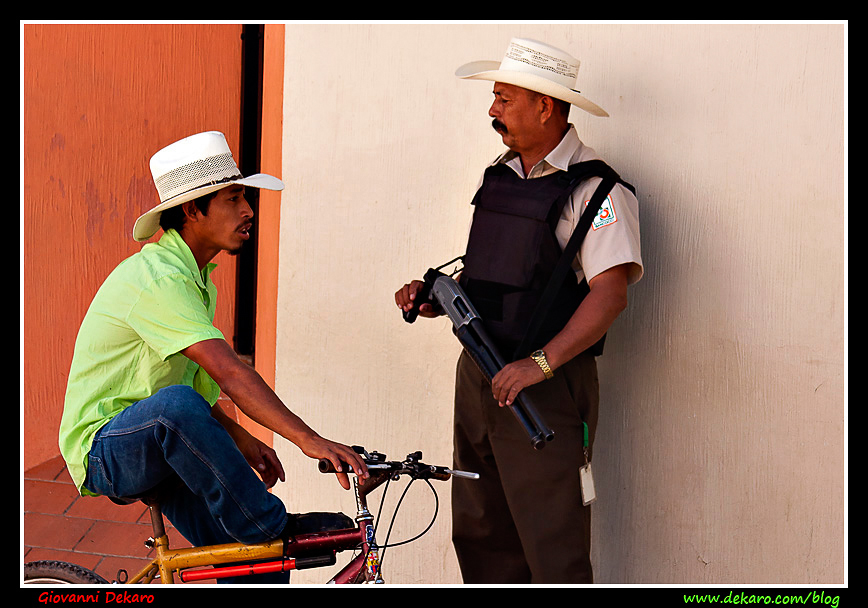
(252,40)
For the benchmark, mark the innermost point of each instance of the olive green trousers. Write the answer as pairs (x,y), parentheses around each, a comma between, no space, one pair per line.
(523,521)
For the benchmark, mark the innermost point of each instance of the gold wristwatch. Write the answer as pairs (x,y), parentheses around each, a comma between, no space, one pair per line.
(540,357)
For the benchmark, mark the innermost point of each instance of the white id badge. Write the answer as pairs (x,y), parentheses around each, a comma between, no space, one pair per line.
(586,479)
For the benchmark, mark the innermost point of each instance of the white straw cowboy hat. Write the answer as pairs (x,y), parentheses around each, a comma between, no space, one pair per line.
(190,168)
(536,66)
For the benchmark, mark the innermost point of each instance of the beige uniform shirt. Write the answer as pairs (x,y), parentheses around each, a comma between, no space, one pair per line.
(613,238)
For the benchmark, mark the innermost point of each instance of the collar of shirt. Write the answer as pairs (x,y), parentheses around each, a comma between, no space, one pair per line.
(172,242)
(569,151)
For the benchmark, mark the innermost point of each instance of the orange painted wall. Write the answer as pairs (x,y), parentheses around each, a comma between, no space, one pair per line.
(99,100)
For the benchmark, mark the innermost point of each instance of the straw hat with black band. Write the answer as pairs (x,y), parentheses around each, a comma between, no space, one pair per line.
(536,66)
(192,167)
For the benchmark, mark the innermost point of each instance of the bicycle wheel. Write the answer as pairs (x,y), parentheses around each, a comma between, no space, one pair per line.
(49,572)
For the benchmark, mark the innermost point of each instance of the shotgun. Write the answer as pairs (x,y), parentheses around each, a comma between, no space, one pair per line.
(443,291)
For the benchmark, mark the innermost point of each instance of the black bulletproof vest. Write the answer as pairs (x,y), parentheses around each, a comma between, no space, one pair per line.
(512,253)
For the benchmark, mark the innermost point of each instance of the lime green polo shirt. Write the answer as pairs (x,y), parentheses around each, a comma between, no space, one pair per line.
(153,305)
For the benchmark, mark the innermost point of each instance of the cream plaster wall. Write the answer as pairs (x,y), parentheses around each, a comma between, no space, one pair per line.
(721,449)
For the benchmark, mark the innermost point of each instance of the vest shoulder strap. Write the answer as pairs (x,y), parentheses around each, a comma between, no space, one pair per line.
(576,174)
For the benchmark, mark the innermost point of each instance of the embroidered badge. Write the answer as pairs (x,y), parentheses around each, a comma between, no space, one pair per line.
(606,216)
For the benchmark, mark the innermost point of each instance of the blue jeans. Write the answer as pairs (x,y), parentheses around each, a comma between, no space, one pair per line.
(170,443)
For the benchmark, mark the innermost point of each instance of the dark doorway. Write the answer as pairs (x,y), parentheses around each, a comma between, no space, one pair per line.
(252,37)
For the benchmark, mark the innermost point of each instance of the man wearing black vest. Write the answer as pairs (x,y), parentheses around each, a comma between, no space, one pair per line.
(526,519)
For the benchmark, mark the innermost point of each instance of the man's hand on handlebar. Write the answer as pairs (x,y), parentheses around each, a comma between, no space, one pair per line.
(339,455)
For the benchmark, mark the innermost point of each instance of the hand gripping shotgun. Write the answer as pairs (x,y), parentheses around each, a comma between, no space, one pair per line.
(440,289)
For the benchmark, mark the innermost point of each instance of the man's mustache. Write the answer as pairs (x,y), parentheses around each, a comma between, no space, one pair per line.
(499,126)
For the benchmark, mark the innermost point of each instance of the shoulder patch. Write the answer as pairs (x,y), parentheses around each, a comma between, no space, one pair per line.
(606,216)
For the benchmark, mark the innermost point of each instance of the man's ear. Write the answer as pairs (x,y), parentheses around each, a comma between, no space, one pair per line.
(191,211)
(546,108)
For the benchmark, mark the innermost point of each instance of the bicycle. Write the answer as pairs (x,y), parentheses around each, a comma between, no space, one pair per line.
(310,550)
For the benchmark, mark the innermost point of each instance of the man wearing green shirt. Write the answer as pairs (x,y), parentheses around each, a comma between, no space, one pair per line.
(149,366)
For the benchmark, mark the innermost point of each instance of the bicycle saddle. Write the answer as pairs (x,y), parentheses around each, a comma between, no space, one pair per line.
(307,523)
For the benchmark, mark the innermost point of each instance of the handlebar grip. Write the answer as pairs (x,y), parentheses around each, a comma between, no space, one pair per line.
(325,466)
(440,473)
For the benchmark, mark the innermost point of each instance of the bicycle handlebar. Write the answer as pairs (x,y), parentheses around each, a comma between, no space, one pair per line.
(411,466)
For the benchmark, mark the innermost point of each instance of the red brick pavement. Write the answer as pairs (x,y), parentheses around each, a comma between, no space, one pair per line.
(89,531)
